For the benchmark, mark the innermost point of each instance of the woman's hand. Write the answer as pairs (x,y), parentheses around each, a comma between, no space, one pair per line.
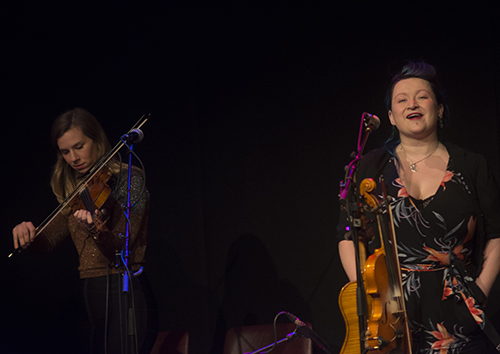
(84,217)
(491,266)
(23,234)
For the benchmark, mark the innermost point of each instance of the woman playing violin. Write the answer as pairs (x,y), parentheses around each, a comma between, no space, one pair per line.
(80,142)
(444,201)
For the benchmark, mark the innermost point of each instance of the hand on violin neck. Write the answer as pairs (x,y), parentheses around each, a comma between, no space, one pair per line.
(84,217)
(89,220)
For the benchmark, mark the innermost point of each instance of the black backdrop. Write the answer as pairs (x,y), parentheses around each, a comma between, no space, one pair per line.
(255,109)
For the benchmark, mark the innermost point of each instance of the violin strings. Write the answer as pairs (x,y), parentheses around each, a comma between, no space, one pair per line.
(89,203)
(87,200)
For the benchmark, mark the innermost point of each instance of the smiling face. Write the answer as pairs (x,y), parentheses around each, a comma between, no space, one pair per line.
(414,109)
(78,150)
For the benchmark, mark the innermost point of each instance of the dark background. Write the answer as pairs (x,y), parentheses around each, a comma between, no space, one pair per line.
(255,109)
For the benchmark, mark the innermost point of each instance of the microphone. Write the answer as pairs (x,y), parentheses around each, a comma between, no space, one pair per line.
(134,136)
(304,331)
(294,319)
(372,121)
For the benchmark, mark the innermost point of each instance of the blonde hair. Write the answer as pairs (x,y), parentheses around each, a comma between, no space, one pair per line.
(64,178)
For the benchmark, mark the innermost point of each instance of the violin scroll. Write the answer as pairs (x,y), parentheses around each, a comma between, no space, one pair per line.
(365,187)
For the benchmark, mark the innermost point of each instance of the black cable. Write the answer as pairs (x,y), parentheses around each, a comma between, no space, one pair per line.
(143,173)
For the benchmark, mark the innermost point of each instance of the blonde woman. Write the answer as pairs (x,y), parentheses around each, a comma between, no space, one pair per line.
(80,142)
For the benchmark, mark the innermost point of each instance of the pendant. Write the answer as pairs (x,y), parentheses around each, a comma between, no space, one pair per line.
(413,167)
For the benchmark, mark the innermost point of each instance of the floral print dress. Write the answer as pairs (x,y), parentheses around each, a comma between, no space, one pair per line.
(435,240)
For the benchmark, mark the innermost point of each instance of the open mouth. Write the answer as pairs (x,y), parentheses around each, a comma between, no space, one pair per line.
(414,116)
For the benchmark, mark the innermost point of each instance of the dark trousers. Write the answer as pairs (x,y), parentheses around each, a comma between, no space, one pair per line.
(124,322)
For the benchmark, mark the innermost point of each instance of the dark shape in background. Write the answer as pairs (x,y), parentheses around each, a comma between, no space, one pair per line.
(255,110)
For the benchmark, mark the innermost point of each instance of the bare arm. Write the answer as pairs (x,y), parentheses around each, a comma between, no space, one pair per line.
(348,259)
(491,266)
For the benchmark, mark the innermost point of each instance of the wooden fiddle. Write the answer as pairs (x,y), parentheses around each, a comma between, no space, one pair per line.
(92,197)
(348,307)
(387,325)
(386,329)
(349,297)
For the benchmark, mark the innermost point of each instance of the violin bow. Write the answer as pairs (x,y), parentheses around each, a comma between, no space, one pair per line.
(83,184)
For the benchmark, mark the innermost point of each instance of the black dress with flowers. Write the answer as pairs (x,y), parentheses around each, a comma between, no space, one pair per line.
(432,235)
(436,238)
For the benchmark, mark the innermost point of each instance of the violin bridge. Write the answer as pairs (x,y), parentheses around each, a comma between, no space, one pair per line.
(398,314)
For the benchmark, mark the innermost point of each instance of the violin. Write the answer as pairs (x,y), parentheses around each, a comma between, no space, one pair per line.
(386,328)
(351,295)
(91,193)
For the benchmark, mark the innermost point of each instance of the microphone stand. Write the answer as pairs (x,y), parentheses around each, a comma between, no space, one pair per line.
(129,315)
(306,332)
(349,199)
(300,331)
(129,323)
(289,337)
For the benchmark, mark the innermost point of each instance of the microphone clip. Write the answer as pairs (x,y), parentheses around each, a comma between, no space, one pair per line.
(371,121)
(134,136)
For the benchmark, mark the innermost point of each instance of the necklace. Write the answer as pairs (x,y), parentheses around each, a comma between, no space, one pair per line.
(413,166)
